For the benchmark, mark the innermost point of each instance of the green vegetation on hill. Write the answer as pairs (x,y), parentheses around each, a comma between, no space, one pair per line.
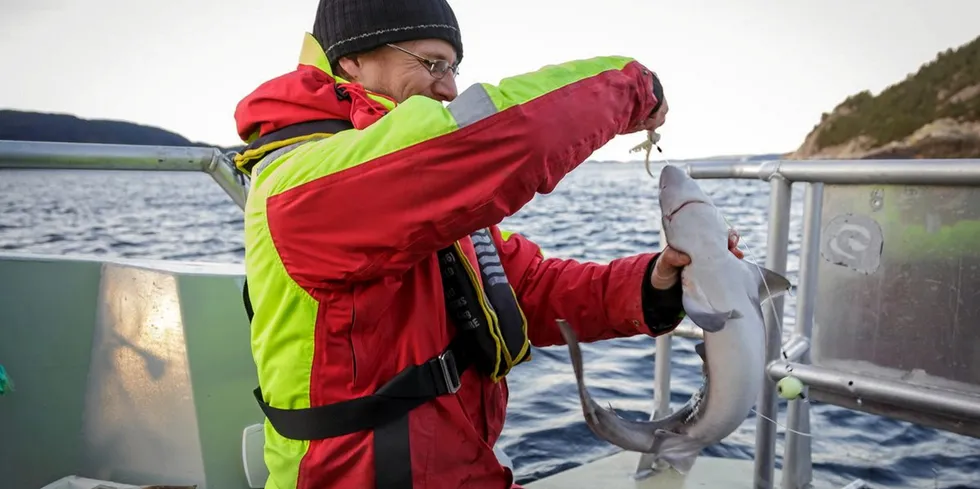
(902,108)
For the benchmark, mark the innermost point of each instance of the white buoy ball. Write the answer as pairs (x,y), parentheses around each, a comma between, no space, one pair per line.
(789,388)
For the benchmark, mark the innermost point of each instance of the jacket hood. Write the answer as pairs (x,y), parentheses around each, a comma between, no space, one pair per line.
(310,92)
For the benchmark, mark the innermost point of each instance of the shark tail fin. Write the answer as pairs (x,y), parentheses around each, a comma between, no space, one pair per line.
(681,462)
(680,452)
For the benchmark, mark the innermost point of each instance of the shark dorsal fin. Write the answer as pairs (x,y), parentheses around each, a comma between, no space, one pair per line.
(771,284)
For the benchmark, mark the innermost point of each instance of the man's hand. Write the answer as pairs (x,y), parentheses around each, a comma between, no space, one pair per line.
(653,122)
(668,267)
(658,117)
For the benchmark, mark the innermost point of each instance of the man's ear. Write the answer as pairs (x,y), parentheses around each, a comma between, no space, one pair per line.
(349,68)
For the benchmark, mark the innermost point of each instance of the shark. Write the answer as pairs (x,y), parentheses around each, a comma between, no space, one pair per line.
(723,295)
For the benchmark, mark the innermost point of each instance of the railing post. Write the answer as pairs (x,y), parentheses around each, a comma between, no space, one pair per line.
(661,393)
(661,367)
(797,468)
(778,240)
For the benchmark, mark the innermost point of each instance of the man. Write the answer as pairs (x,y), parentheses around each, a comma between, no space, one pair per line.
(388,306)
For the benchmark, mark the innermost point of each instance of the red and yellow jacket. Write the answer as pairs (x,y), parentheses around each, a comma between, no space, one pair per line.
(342,234)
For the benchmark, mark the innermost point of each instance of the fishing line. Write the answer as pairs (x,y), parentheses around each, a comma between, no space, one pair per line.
(779,323)
(651,142)
(773,421)
(794,385)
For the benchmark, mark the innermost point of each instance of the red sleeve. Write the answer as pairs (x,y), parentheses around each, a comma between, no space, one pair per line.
(598,301)
(371,202)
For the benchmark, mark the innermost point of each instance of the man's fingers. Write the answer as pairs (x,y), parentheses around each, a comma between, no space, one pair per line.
(675,258)
(733,238)
(656,120)
(650,124)
(668,267)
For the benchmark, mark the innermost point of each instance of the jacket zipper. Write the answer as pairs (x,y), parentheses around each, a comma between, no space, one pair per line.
(350,338)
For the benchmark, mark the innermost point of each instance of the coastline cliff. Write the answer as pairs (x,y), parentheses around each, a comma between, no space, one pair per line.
(933,113)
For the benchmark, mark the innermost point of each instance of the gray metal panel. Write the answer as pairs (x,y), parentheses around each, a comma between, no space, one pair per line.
(898,289)
(46,326)
(222,370)
(144,378)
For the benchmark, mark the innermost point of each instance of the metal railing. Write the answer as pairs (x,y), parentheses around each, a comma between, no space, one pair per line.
(37,155)
(793,356)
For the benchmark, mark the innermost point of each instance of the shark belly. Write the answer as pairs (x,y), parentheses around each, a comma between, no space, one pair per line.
(735,371)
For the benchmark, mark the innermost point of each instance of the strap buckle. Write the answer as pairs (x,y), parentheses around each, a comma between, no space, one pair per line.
(447,364)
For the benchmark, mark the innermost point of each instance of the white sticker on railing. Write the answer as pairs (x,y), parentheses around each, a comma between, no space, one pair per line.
(853,241)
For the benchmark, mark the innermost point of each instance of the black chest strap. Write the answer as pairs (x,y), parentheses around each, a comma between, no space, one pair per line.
(385,412)
(409,389)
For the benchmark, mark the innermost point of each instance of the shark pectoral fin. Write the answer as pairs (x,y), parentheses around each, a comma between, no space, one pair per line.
(771,284)
(705,317)
(679,451)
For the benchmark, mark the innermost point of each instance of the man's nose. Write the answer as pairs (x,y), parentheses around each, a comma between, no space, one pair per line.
(445,89)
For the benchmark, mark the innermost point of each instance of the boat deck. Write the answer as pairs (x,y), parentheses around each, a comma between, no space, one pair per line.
(616,472)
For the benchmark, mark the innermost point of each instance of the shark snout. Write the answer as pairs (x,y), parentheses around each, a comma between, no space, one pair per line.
(671,176)
(678,190)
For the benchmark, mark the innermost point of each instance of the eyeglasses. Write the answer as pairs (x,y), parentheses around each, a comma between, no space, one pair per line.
(437,67)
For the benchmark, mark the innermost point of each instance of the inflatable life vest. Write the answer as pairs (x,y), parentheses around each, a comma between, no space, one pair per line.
(491,334)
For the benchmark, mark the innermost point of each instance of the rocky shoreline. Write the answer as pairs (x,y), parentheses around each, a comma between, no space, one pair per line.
(943,138)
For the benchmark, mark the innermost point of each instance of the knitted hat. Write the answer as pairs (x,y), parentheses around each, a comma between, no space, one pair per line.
(344,27)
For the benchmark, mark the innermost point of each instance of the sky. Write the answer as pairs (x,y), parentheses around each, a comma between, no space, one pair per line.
(740,76)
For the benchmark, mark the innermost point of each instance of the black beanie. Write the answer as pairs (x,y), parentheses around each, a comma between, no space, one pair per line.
(344,27)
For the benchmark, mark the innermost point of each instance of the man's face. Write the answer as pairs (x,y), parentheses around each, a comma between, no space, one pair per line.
(404,69)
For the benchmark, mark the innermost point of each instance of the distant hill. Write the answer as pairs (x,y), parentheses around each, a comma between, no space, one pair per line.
(36,126)
(933,113)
